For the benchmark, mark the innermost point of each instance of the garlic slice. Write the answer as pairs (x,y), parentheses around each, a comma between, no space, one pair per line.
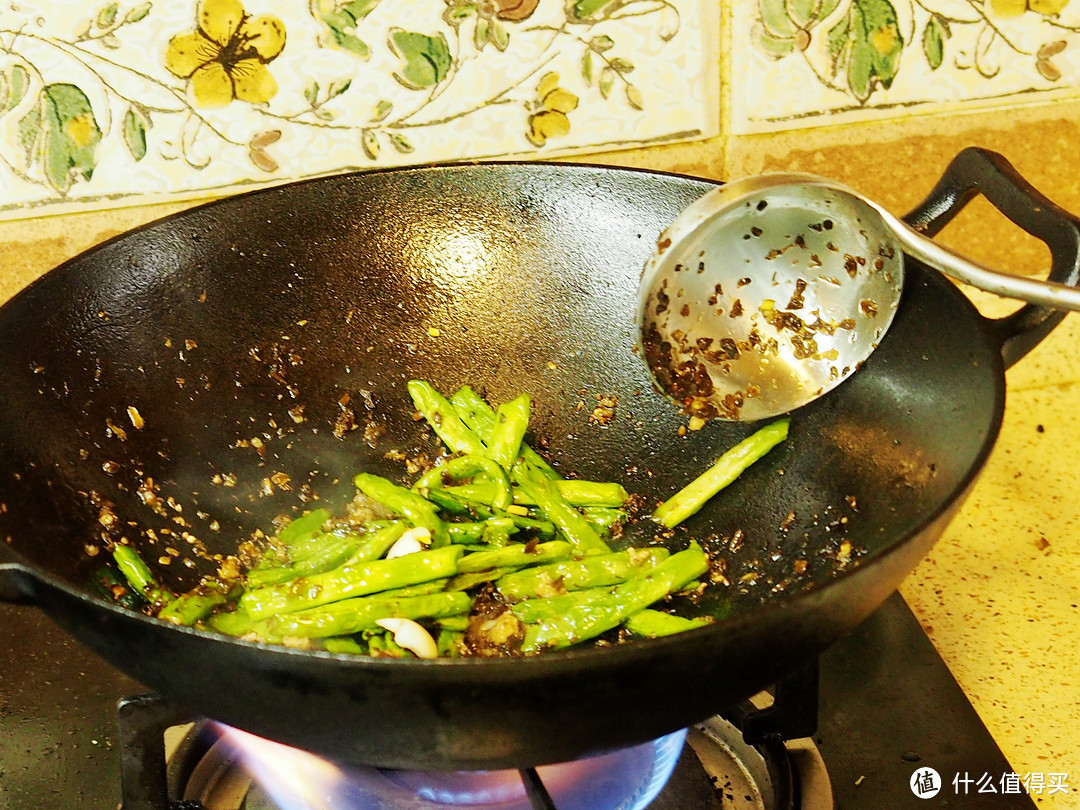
(413,540)
(411,636)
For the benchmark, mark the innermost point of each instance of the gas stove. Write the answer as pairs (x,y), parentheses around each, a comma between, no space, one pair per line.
(892,724)
(78,734)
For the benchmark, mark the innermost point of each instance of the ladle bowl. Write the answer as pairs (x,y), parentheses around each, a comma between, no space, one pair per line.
(768,292)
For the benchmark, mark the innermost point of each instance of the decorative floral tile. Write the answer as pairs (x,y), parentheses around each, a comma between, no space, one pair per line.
(150,99)
(797,63)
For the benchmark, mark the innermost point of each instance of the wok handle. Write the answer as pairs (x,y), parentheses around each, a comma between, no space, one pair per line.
(18,585)
(979,171)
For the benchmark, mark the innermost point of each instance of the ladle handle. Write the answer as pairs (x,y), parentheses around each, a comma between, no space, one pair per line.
(979,171)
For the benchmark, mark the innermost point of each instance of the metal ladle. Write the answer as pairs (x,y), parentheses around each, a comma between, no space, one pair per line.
(769,291)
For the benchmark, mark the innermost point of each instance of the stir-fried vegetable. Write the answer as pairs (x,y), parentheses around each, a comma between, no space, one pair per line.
(688,500)
(489,552)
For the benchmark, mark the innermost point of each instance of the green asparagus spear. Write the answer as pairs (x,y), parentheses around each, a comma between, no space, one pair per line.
(353,615)
(574,491)
(512,555)
(416,509)
(138,574)
(655,623)
(547,608)
(456,505)
(239,624)
(449,641)
(378,542)
(195,605)
(508,432)
(468,581)
(443,418)
(590,620)
(108,583)
(594,571)
(316,544)
(457,623)
(468,466)
(351,580)
(421,588)
(344,645)
(603,518)
(551,504)
(688,500)
(307,525)
(334,552)
(382,645)
(480,417)
(465,532)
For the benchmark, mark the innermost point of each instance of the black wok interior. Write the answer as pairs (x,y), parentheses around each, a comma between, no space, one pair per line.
(218,324)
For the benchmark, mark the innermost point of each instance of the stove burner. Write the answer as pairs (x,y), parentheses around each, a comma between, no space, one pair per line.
(212,767)
(769,775)
(242,772)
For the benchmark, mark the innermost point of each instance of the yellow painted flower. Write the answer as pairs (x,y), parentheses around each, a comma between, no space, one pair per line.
(1048,7)
(225,57)
(82,129)
(550,120)
(1014,8)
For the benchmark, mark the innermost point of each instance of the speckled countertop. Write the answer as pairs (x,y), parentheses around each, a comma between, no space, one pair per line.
(999,593)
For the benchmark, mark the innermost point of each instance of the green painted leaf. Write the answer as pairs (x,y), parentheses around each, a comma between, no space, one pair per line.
(401,143)
(341,26)
(827,8)
(498,35)
(359,9)
(30,132)
(427,59)
(837,41)
(456,15)
(592,10)
(107,15)
(587,67)
(775,18)
(480,33)
(137,13)
(933,41)
(802,12)
(136,122)
(311,93)
(337,88)
(607,81)
(601,44)
(341,21)
(773,46)
(370,144)
(876,46)
(382,109)
(869,43)
(63,134)
(14,82)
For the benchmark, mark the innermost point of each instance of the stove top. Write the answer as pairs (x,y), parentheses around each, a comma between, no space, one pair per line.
(889,710)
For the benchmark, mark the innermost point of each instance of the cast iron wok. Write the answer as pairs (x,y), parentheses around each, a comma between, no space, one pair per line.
(213,328)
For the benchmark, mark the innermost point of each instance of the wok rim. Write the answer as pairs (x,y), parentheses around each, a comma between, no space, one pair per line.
(569,658)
